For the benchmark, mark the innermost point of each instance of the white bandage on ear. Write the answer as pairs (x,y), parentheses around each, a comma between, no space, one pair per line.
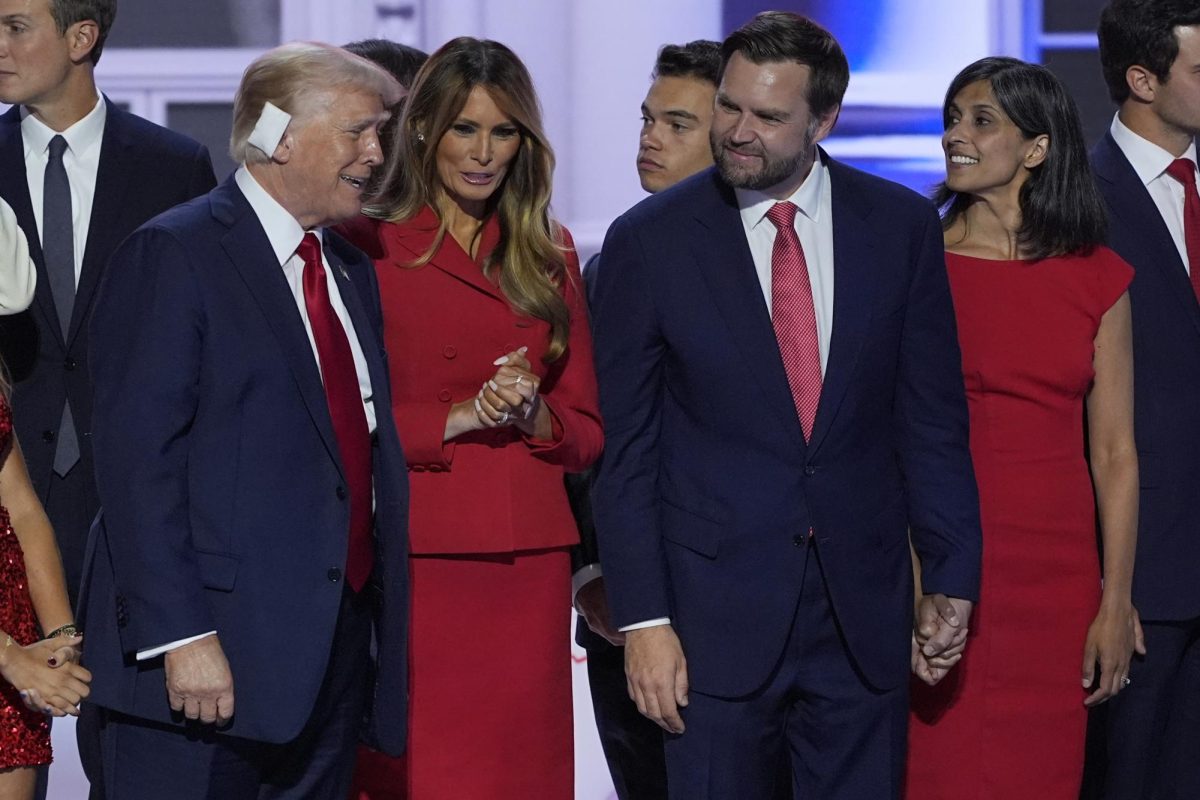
(272,124)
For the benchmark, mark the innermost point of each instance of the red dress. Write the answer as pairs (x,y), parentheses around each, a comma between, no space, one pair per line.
(489,526)
(24,734)
(1008,721)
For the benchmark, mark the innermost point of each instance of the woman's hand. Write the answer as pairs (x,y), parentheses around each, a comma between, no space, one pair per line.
(46,680)
(510,397)
(1112,638)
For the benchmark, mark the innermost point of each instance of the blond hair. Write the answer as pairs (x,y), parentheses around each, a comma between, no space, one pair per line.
(300,78)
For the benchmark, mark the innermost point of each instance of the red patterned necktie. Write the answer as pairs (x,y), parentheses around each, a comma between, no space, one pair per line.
(793,315)
(345,409)
(1184,171)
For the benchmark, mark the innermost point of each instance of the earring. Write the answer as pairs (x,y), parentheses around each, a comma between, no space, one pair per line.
(421,138)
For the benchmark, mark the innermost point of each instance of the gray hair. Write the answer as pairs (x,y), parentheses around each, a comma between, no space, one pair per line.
(295,77)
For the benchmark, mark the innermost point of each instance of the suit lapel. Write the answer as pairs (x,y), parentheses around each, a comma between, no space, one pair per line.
(14,188)
(722,255)
(853,303)
(118,159)
(418,236)
(249,250)
(1133,208)
(349,289)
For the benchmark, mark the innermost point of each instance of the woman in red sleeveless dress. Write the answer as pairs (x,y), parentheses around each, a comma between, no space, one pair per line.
(37,677)
(1044,326)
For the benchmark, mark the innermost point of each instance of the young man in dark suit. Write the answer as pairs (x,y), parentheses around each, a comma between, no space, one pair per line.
(81,174)
(672,145)
(1146,170)
(773,440)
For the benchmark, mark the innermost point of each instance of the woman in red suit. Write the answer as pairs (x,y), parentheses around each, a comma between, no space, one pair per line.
(495,397)
(1044,325)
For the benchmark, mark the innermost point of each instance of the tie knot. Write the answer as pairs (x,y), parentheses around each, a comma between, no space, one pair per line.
(782,215)
(58,146)
(310,249)
(1183,170)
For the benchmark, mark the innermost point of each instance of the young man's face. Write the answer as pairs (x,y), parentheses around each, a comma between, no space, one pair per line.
(1177,100)
(676,117)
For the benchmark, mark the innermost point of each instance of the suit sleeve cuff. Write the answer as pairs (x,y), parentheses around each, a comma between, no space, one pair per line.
(144,655)
(650,623)
(582,577)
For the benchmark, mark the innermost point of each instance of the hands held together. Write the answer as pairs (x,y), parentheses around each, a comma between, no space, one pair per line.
(509,397)
(46,674)
(939,635)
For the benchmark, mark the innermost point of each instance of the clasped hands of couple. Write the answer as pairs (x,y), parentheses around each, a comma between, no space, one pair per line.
(46,674)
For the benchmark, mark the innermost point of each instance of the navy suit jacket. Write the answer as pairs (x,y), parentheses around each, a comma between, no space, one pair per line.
(144,170)
(224,505)
(1166,384)
(707,489)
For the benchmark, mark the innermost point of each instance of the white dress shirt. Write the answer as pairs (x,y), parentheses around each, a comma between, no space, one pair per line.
(18,277)
(814,226)
(81,160)
(285,235)
(1150,162)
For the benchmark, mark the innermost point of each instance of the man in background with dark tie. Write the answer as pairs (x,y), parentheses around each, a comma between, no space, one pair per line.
(783,401)
(1146,170)
(81,174)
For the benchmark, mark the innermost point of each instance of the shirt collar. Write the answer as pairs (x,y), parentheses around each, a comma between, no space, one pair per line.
(81,137)
(1148,160)
(754,204)
(283,231)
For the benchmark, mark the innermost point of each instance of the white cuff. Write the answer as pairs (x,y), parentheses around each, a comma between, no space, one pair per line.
(650,623)
(585,575)
(142,655)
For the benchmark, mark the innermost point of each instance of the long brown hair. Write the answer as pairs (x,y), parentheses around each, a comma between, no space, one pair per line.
(531,265)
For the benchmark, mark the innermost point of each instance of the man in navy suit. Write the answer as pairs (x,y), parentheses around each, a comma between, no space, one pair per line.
(253,487)
(121,170)
(783,407)
(1146,171)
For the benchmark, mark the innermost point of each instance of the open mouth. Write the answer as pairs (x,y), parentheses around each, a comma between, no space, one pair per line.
(964,160)
(357,183)
(478,178)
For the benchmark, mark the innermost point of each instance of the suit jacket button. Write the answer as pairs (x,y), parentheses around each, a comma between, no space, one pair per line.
(340,492)
(47,436)
(798,540)
(334,574)
(810,471)
(449,351)
(70,364)
(444,395)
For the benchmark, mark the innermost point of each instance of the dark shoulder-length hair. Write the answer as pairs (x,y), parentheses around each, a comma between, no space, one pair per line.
(528,261)
(1061,209)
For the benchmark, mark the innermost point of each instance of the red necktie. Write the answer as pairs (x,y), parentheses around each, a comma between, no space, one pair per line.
(345,409)
(1184,171)
(793,315)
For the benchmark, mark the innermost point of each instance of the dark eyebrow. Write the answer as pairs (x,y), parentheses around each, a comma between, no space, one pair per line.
(16,18)
(681,114)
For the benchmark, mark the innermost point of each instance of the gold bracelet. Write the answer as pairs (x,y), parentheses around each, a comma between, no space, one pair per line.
(63,630)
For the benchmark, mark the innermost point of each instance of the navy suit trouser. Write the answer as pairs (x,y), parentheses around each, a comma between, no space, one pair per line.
(150,761)
(1154,724)
(844,739)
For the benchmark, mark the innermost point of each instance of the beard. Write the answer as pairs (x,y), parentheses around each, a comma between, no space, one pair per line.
(771,172)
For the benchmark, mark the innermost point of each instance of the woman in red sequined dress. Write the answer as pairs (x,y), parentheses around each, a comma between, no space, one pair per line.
(1044,326)
(39,676)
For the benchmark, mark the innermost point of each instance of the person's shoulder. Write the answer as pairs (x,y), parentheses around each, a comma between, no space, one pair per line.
(879,191)
(151,139)
(678,202)
(351,241)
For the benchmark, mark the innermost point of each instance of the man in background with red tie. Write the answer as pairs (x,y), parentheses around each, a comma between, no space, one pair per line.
(254,494)
(783,401)
(1146,171)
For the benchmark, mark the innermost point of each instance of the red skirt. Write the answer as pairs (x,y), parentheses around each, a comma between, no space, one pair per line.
(490,706)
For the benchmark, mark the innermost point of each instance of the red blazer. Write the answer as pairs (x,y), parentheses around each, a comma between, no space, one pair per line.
(489,491)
